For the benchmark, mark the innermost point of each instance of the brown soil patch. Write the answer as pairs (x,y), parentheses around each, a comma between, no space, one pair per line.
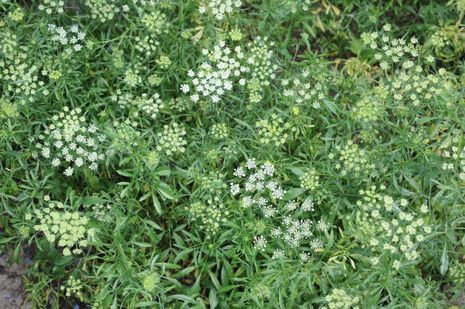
(12,294)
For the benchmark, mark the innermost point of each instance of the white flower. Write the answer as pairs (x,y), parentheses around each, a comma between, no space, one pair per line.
(268,169)
(68,172)
(195,98)
(185,88)
(292,205)
(262,201)
(45,152)
(235,189)
(260,243)
(278,193)
(93,166)
(79,162)
(278,254)
(308,205)
(424,208)
(239,172)
(251,163)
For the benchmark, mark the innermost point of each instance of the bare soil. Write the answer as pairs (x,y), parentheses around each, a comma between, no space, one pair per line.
(12,295)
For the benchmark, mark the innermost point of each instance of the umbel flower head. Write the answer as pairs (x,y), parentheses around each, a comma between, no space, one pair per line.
(217,76)
(172,139)
(258,189)
(340,299)
(387,227)
(274,131)
(71,38)
(219,8)
(66,229)
(105,10)
(73,287)
(19,75)
(52,6)
(69,143)
(390,50)
(209,215)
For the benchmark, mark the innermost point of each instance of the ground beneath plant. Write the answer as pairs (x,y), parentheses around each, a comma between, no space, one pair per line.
(12,293)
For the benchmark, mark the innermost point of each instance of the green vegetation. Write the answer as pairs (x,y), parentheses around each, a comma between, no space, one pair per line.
(234,153)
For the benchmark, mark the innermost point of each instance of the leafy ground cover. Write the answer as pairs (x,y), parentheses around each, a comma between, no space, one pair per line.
(234,154)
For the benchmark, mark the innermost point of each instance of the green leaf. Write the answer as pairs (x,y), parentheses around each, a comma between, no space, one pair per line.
(164,171)
(293,193)
(444,261)
(166,191)
(243,123)
(125,173)
(356,46)
(215,281)
(213,299)
(156,204)
(6,240)
(182,297)
(297,171)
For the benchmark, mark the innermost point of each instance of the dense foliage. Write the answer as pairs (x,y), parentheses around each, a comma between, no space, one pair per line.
(234,153)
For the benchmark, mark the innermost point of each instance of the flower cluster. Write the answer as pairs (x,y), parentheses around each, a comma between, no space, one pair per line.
(73,288)
(163,62)
(146,46)
(219,131)
(104,10)
(150,281)
(102,213)
(448,37)
(20,78)
(340,299)
(415,88)
(391,51)
(149,105)
(52,6)
(220,8)
(257,189)
(253,68)
(8,109)
(453,151)
(457,273)
(71,38)
(216,77)
(310,180)
(261,66)
(66,228)
(386,226)
(260,61)
(172,139)
(132,77)
(70,143)
(439,39)
(179,104)
(371,106)
(260,181)
(152,159)
(124,136)
(302,91)
(295,231)
(352,159)
(210,215)
(274,131)
(155,23)
(211,183)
